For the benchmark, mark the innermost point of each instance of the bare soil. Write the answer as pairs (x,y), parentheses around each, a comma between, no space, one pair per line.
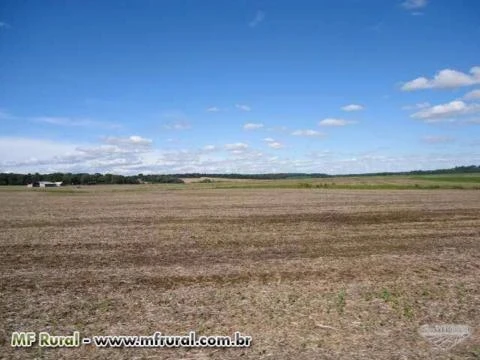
(308,273)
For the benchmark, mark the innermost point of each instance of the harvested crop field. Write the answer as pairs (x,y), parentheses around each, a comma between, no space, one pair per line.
(308,273)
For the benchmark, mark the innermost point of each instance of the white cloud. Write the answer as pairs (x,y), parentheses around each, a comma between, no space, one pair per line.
(213,109)
(243,107)
(259,17)
(444,79)
(334,122)
(472,95)
(116,155)
(414,4)
(275,145)
(134,154)
(135,139)
(252,126)
(352,107)
(20,149)
(446,111)
(308,132)
(416,106)
(132,140)
(209,148)
(236,146)
(4,25)
(437,139)
(30,155)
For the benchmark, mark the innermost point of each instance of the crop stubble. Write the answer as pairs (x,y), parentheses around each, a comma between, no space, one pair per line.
(307,273)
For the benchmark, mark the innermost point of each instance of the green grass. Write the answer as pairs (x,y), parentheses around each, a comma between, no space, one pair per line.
(341,301)
(457,178)
(284,184)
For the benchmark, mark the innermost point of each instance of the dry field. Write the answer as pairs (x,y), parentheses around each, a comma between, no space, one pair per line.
(308,273)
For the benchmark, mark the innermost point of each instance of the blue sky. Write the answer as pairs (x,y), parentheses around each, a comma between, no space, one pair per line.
(344,86)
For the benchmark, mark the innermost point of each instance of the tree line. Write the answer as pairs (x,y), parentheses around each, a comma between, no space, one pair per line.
(456,170)
(85,178)
(274,176)
(97,178)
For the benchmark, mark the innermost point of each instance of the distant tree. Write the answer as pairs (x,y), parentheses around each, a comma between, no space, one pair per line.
(85,179)
(67,178)
(117,179)
(36,177)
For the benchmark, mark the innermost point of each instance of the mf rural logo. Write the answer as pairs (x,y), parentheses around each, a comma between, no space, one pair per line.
(445,336)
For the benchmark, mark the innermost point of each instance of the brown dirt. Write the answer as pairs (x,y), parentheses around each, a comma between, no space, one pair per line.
(276,264)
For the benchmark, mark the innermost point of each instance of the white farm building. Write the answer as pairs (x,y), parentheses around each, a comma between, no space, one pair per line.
(45,184)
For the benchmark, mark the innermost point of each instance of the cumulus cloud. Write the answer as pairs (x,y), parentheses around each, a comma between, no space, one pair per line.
(416,106)
(209,148)
(445,79)
(30,155)
(134,140)
(275,145)
(135,153)
(472,95)
(308,133)
(259,17)
(243,107)
(449,110)
(236,146)
(414,4)
(48,156)
(352,107)
(334,122)
(252,126)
